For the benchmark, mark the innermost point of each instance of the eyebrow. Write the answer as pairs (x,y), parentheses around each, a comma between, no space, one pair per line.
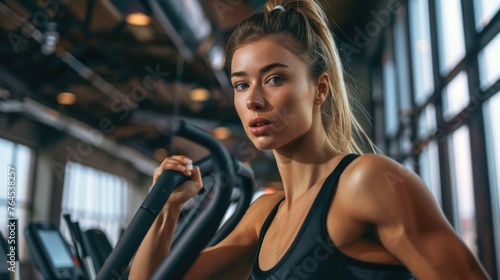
(262,70)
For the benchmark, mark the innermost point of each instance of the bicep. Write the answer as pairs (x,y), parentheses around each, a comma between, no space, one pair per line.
(225,260)
(232,258)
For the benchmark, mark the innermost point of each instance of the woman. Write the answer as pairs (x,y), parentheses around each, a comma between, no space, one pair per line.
(340,216)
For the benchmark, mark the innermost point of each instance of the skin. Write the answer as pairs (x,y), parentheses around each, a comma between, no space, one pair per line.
(374,194)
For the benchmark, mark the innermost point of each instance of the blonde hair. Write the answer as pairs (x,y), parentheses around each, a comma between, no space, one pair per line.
(301,27)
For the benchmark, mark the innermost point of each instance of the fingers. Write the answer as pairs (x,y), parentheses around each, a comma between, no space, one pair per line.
(196,177)
(177,163)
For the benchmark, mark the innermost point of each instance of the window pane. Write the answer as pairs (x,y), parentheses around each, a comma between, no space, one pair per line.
(489,68)
(451,34)
(493,140)
(22,162)
(390,98)
(485,10)
(463,189)
(429,169)
(95,199)
(421,50)
(20,157)
(405,143)
(455,96)
(401,58)
(427,122)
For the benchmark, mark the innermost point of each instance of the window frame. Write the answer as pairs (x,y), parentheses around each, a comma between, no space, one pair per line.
(472,115)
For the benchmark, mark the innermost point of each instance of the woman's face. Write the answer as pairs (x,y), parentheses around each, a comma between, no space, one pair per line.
(273,93)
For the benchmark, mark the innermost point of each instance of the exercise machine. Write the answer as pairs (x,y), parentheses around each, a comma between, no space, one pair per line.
(98,247)
(202,229)
(80,247)
(226,182)
(50,253)
(241,198)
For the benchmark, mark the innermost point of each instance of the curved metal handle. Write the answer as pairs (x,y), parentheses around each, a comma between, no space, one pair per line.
(198,236)
(128,244)
(246,193)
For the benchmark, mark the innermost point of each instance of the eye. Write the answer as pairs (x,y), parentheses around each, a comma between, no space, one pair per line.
(275,80)
(240,86)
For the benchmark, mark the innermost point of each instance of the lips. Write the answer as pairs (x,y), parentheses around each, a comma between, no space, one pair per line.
(258,122)
(259,125)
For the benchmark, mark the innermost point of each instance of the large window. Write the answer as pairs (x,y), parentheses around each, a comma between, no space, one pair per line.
(452,125)
(95,199)
(19,157)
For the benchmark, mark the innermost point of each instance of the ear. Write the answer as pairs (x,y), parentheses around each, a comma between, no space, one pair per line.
(322,87)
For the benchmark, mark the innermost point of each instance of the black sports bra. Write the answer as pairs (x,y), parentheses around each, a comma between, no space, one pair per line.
(312,255)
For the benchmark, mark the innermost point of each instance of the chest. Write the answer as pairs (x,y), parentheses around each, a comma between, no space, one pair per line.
(284,230)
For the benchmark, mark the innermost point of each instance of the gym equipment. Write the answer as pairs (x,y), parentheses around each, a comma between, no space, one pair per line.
(80,247)
(241,198)
(93,252)
(50,253)
(199,234)
(98,247)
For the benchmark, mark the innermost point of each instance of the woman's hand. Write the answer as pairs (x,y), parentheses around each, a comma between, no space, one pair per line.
(187,189)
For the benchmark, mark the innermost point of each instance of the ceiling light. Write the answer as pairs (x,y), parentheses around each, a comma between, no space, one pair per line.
(199,94)
(139,19)
(66,98)
(221,133)
(50,39)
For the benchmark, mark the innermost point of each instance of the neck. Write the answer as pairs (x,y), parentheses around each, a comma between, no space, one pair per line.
(303,165)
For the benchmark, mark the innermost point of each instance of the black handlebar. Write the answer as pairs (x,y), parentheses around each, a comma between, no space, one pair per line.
(246,194)
(197,236)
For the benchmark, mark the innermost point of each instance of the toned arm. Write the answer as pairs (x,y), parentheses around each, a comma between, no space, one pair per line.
(409,223)
(233,257)
(156,244)
(230,259)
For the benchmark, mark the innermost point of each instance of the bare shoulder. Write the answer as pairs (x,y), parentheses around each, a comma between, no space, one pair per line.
(385,188)
(378,173)
(368,166)
(379,191)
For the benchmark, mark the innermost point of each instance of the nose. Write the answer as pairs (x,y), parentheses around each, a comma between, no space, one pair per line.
(255,100)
